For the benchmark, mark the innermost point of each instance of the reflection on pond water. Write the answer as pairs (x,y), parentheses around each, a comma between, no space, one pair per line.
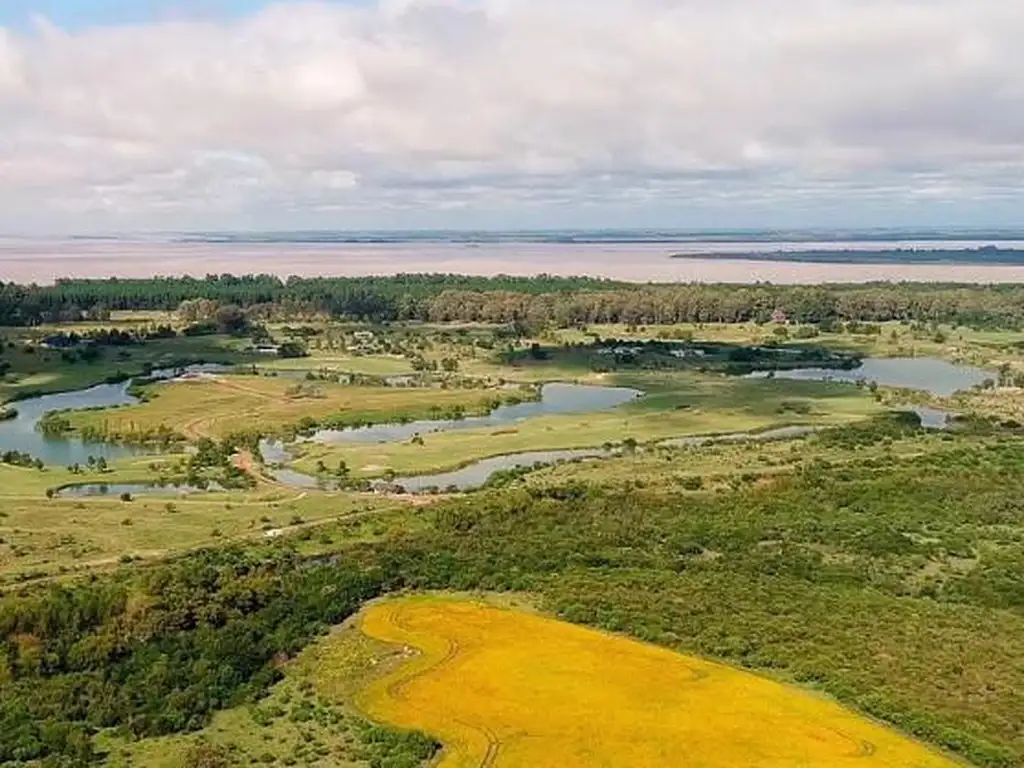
(555,398)
(100,490)
(937,377)
(20,433)
(478,473)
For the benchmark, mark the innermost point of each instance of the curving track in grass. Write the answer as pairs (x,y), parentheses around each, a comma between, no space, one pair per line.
(506,688)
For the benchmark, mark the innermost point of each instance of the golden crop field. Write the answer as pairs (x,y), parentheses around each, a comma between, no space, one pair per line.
(505,688)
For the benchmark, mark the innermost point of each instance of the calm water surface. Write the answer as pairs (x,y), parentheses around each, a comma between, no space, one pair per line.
(20,433)
(932,375)
(100,490)
(475,475)
(555,398)
(28,260)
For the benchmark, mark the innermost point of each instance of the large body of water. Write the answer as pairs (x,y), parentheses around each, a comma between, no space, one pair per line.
(638,257)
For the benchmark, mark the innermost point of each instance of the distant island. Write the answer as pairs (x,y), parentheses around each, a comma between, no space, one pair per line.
(989,254)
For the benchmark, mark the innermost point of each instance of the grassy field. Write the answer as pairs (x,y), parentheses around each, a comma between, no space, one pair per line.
(41,371)
(675,470)
(507,688)
(40,536)
(332,362)
(1004,403)
(215,407)
(676,404)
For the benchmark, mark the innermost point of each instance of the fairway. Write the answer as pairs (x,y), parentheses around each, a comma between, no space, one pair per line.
(506,688)
(217,406)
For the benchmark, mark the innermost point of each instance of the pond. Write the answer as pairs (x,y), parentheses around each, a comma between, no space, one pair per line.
(101,490)
(555,398)
(938,377)
(477,474)
(20,433)
(780,433)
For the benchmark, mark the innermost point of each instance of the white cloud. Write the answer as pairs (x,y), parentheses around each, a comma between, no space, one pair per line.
(324,113)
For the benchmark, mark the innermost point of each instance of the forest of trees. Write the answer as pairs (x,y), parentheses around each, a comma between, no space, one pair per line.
(215,627)
(543,299)
(818,576)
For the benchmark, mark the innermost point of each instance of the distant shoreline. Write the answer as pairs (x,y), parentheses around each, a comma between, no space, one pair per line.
(988,255)
(44,261)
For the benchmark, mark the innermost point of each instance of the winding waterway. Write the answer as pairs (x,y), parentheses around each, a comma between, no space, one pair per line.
(937,377)
(22,434)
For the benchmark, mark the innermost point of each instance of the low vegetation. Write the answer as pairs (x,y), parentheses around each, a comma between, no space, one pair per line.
(871,560)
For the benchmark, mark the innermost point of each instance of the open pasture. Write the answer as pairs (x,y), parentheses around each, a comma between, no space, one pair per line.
(678,469)
(332,362)
(41,536)
(506,688)
(218,406)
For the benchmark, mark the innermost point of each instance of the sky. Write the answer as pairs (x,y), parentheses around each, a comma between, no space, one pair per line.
(163,115)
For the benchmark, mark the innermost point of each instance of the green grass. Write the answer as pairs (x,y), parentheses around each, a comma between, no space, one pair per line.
(333,362)
(43,536)
(42,371)
(984,348)
(675,470)
(676,405)
(227,404)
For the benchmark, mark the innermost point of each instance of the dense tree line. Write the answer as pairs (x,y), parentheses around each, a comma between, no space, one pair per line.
(213,632)
(541,300)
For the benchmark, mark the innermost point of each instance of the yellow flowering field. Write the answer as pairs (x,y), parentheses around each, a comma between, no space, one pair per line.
(507,688)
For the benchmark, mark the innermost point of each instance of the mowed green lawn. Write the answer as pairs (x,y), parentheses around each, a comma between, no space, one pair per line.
(676,405)
(334,362)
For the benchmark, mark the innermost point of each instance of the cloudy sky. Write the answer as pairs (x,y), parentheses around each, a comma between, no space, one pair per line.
(238,114)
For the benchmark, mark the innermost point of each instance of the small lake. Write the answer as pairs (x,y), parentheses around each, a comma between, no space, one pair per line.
(938,377)
(20,433)
(555,398)
(780,433)
(477,474)
(104,490)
